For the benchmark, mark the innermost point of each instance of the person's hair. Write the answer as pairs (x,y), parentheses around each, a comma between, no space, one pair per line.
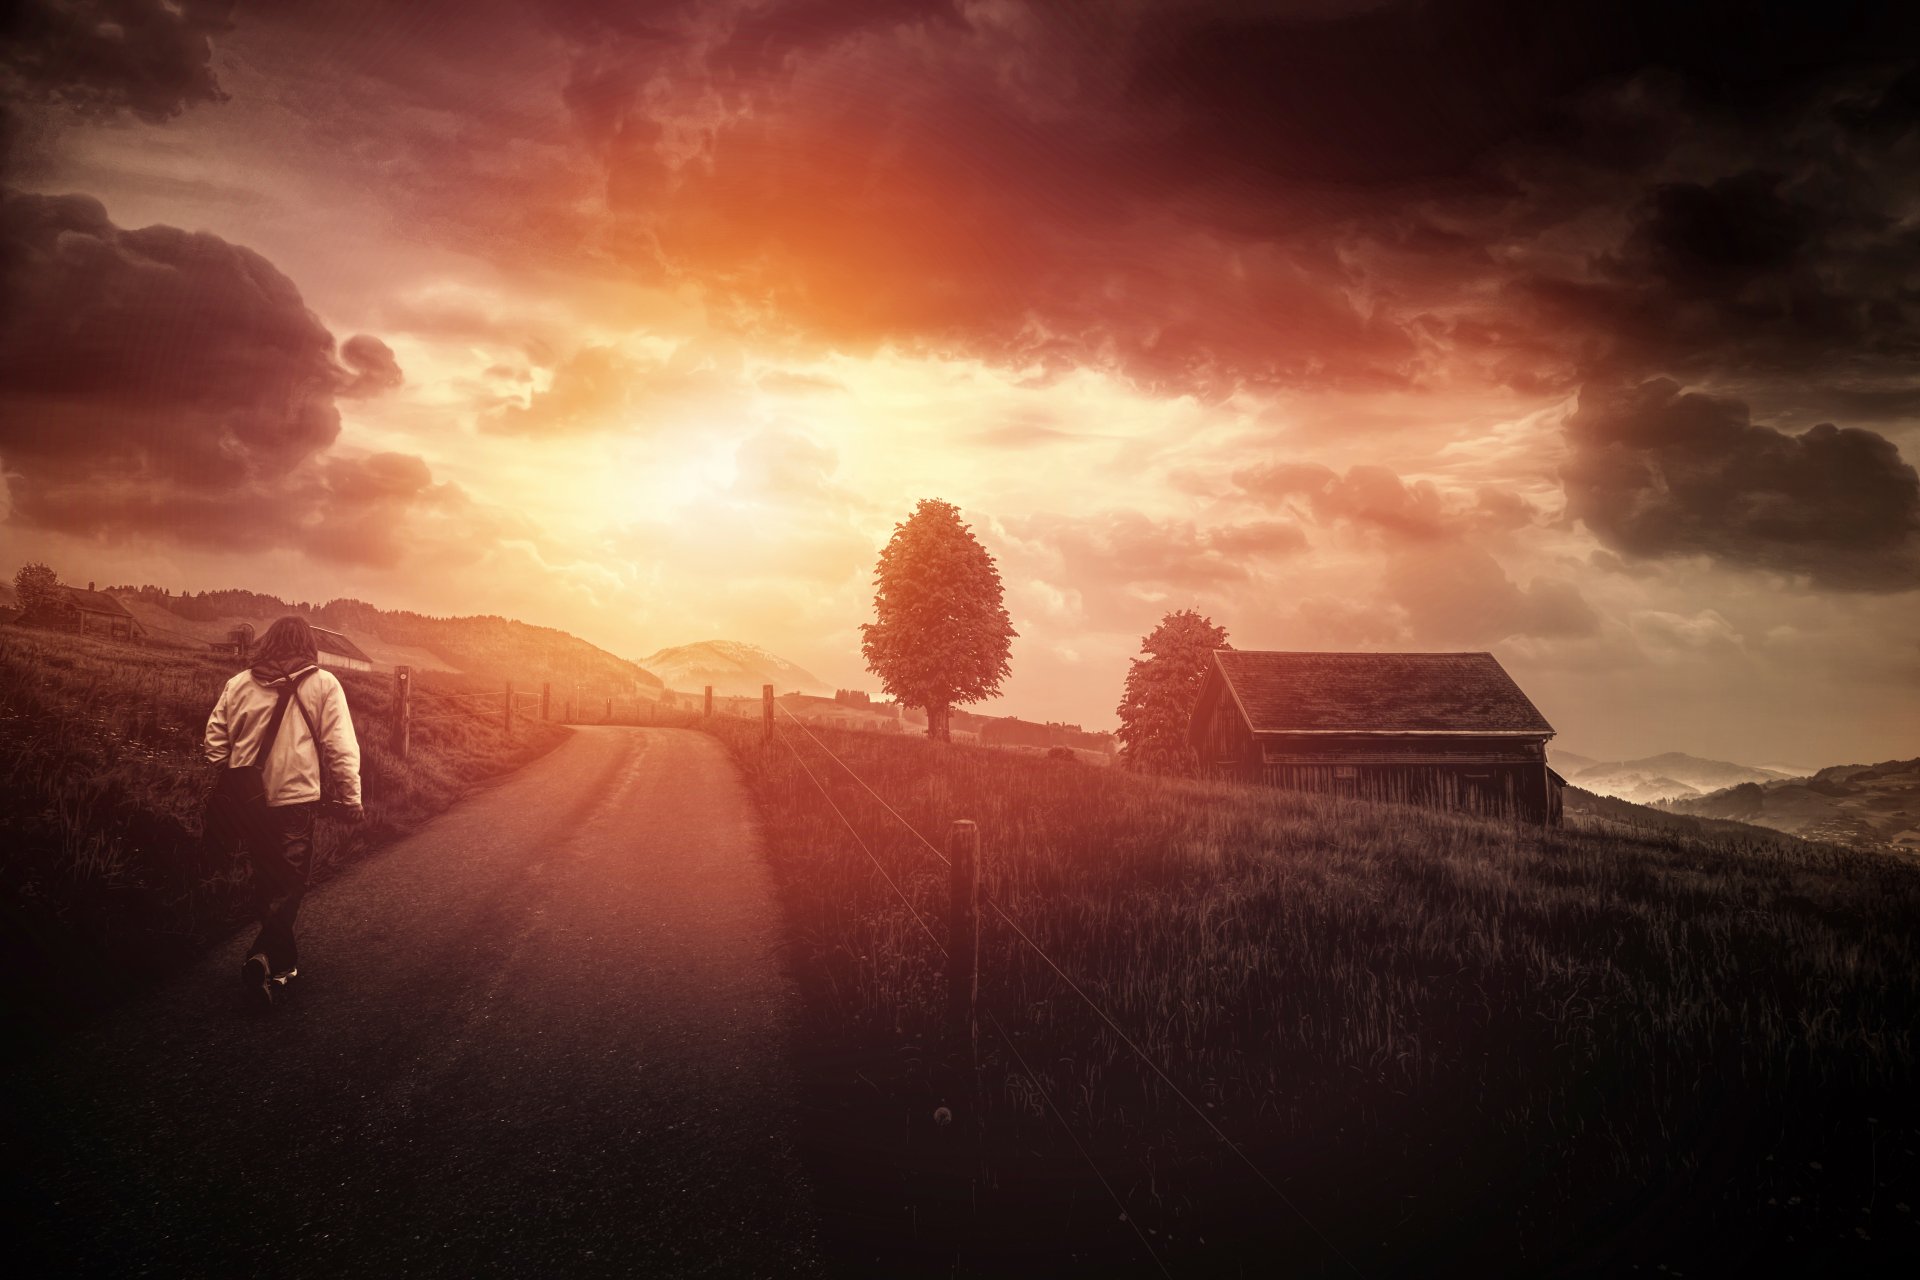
(289,641)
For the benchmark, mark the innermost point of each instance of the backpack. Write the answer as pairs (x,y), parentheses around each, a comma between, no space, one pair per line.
(236,804)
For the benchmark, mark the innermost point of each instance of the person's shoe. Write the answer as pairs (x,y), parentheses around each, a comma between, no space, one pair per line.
(286,978)
(257,976)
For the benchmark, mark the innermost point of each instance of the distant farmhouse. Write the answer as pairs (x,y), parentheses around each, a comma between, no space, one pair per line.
(93,612)
(1450,730)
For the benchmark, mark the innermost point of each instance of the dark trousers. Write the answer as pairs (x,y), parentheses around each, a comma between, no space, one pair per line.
(280,851)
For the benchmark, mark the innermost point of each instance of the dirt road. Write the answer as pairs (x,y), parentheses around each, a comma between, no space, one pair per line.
(543,1035)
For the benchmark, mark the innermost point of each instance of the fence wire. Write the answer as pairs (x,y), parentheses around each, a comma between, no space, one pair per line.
(1090,1002)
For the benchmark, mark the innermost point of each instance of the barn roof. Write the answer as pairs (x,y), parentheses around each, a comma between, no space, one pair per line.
(333,642)
(95,602)
(1416,693)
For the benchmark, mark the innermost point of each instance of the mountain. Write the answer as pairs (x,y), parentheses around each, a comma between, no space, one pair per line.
(1669,776)
(1619,814)
(485,647)
(733,668)
(1867,805)
(1568,763)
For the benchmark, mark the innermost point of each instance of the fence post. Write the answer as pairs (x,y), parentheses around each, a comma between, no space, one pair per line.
(766,713)
(963,938)
(546,697)
(709,712)
(506,721)
(402,710)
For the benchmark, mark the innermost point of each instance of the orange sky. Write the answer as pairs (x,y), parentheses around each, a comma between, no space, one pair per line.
(1350,325)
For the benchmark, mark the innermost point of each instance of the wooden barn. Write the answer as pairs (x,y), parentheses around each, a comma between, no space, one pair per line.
(93,612)
(1446,729)
(340,653)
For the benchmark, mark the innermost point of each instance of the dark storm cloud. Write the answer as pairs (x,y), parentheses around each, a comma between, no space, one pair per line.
(1809,268)
(193,355)
(164,383)
(1392,93)
(151,58)
(1203,195)
(1658,472)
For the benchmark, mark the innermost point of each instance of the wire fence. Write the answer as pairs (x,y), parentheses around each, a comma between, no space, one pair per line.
(1066,979)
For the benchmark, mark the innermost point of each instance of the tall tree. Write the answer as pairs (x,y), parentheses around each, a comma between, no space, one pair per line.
(1161,690)
(940,633)
(36,589)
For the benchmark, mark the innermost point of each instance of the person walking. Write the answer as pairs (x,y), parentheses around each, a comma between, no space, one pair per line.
(285,720)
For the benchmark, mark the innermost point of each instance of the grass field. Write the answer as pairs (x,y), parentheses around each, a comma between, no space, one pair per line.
(103,878)
(1454,1046)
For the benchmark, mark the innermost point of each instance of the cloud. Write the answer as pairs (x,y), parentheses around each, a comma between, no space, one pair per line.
(1127,549)
(1658,472)
(1665,634)
(173,349)
(1374,499)
(1461,595)
(150,58)
(787,382)
(785,466)
(372,364)
(164,384)
(603,388)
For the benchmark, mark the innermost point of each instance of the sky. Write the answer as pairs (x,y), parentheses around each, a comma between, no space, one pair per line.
(1585,334)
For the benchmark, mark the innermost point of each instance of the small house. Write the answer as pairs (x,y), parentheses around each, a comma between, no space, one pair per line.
(1451,730)
(93,612)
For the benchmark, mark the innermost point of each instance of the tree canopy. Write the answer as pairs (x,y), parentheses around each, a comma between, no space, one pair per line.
(36,589)
(1161,690)
(940,633)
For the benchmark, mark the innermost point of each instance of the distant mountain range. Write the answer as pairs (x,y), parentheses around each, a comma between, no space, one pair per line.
(734,669)
(1672,775)
(1875,805)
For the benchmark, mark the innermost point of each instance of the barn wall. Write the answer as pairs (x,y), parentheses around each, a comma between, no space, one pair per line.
(1226,747)
(1477,775)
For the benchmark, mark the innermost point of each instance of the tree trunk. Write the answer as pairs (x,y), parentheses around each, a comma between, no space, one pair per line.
(938,715)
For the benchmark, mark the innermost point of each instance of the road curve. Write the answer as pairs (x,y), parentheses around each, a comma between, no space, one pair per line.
(543,1035)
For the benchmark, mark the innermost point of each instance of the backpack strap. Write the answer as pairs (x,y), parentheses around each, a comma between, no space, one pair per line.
(259,760)
(319,744)
(273,722)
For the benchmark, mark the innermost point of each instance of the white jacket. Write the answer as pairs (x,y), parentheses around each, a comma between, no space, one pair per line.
(239,722)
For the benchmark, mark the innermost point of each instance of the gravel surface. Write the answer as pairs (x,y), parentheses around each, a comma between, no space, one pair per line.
(544,1035)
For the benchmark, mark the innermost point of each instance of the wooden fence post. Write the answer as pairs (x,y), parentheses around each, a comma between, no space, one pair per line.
(709,711)
(506,720)
(546,697)
(402,710)
(766,713)
(963,938)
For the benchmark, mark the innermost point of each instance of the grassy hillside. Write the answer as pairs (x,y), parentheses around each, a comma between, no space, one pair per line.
(1455,1046)
(103,880)
(483,648)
